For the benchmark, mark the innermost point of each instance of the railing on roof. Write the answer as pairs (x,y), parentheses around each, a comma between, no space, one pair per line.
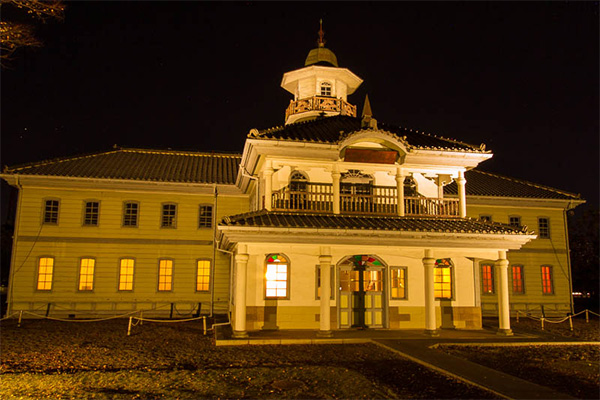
(320,103)
(381,200)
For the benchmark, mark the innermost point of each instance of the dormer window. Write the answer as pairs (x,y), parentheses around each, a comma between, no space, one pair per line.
(325,89)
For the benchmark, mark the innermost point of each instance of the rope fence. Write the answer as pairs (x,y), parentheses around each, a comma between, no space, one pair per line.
(569,317)
(133,320)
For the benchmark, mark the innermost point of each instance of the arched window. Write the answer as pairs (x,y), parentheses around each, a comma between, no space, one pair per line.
(298,190)
(325,89)
(442,279)
(277,277)
(410,187)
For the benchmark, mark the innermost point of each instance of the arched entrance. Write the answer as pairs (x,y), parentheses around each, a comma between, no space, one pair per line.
(361,300)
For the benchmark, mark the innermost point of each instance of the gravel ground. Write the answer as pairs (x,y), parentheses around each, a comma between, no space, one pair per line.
(48,359)
(573,370)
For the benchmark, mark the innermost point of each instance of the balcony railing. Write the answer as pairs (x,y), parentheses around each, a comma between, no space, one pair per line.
(320,103)
(381,200)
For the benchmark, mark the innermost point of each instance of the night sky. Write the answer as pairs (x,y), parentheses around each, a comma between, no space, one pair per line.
(520,77)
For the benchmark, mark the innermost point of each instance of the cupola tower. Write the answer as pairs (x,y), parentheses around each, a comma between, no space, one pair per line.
(321,88)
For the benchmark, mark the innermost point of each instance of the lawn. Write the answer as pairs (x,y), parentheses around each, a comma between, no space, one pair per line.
(49,359)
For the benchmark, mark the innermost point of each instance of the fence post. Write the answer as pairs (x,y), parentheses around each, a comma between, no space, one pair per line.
(204,325)
(20,318)
(587,315)
(571,323)
(141,317)
(542,319)
(129,327)
(517,316)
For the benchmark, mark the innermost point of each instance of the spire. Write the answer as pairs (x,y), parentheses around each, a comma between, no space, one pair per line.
(367,115)
(321,41)
(367,108)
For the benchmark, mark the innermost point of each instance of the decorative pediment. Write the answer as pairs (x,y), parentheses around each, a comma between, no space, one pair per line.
(372,146)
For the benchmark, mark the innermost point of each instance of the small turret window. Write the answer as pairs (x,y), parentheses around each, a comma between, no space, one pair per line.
(325,89)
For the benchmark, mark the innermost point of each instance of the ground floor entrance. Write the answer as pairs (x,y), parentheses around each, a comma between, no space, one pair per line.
(361,298)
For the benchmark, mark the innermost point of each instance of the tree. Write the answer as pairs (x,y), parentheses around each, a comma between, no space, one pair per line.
(19,31)
(584,244)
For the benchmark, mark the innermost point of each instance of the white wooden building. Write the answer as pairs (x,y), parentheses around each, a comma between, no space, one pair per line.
(331,221)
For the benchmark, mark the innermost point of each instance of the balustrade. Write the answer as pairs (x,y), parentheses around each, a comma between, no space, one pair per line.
(321,103)
(381,200)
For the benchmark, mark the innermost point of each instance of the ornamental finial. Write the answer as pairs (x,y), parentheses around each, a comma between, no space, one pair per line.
(321,41)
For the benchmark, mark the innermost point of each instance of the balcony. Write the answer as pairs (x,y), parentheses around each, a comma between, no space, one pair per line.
(377,200)
(320,103)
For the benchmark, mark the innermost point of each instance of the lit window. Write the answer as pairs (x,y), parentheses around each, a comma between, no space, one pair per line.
(165,275)
(514,221)
(203,276)
(91,213)
(398,282)
(485,218)
(325,89)
(517,279)
(205,216)
(487,278)
(169,212)
(331,281)
(276,277)
(544,228)
(51,212)
(126,274)
(547,286)
(86,274)
(442,279)
(45,272)
(130,213)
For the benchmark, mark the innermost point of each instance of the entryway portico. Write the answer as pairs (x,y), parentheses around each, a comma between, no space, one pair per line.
(351,257)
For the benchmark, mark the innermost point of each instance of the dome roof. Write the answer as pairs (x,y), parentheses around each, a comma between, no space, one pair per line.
(321,56)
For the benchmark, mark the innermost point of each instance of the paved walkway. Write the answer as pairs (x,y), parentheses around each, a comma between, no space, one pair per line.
(420,347)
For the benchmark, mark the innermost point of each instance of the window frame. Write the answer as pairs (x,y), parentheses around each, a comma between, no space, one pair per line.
(485,282)
(405,278)
(208,276)
(137,214)
(85,213)
(550,276)
(173,224)
(45,210)
(93,274)
(318,282)
(171,275)
(519,225)
(288,273)
(37,274)
(200,216)
(329,87)
(547,228)
(119,274)
(452,280)
(522,278)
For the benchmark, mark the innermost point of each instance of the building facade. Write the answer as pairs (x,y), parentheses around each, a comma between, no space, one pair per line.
(328,222)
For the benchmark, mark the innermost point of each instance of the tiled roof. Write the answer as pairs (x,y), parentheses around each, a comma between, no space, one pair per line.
(334,129)
(417,224)
(481,183)
(138,164)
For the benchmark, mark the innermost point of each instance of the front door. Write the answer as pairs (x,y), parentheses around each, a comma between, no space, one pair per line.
(361,298)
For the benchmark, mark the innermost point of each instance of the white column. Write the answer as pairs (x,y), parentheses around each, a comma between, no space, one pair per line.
(400,190)
(241,263)
(430,322)
(325,318)
(462,196)
(268,177)
(335,176)
(503,303)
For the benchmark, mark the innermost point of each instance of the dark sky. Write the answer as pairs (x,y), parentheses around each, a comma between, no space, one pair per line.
(520,77)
